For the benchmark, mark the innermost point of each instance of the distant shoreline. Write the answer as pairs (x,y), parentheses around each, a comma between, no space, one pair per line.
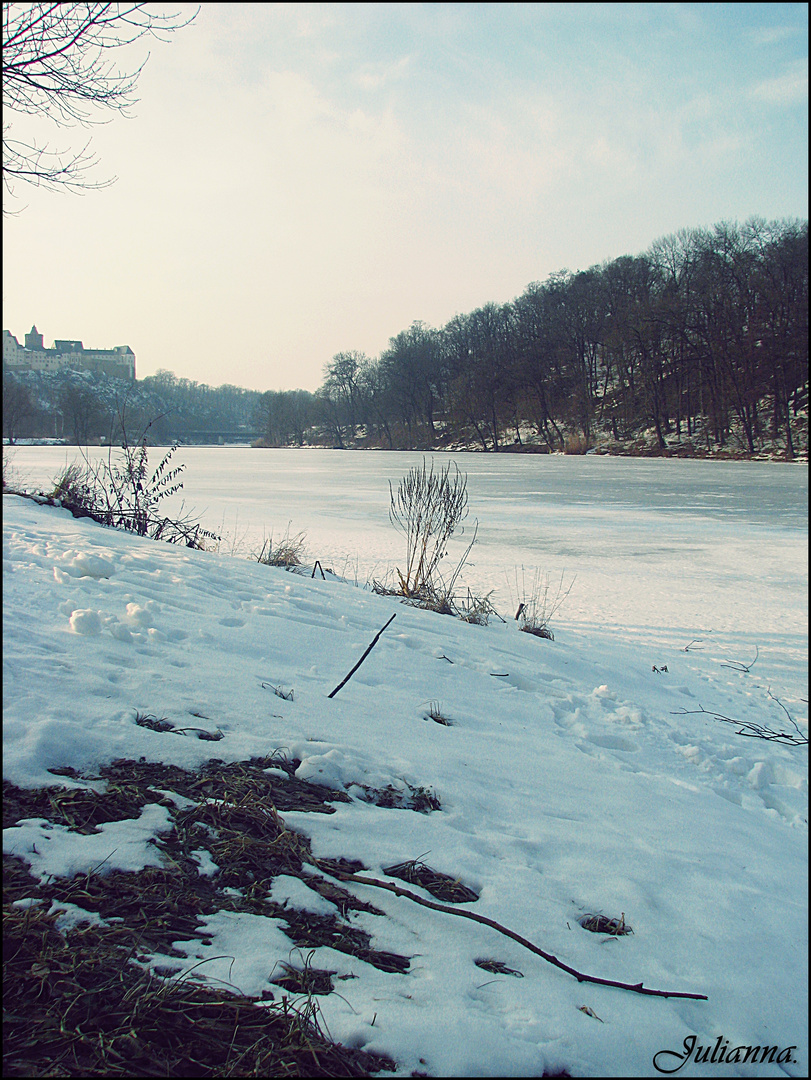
(679,453)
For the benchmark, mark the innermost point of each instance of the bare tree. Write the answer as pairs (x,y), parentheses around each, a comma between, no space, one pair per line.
(84,414)
(17,408)
(57,64)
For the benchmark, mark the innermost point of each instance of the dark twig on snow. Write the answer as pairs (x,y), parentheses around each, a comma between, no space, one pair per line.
(637,988)
(754,731)
(369,649)
(736,665)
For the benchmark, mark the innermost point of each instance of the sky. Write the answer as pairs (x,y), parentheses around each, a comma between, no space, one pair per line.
(299,180)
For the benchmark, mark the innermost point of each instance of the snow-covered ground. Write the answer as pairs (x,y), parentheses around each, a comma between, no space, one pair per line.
(576,776)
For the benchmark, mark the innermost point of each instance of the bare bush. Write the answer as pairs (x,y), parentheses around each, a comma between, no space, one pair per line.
(12,481)
(123,493)
(427,508)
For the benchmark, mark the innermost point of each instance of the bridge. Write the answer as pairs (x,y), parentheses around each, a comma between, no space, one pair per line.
(218,437)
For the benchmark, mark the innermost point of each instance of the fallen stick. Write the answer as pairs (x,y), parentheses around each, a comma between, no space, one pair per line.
(637,988)
(355,668)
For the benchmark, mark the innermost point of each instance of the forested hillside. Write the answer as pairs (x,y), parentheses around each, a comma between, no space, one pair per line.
(699,345)
(83,408)
(701,341)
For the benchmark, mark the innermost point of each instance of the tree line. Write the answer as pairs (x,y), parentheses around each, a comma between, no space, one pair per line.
(83,408)
(699,344)
(701,340)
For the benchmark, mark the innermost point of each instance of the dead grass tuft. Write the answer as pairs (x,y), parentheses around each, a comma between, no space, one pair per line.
(310,931)
(287,553)
(601,924)
(306,979)
(391,798)
(441,886)
(434,712)
(496,967)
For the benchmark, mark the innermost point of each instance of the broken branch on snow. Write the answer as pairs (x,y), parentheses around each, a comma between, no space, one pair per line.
(636,988)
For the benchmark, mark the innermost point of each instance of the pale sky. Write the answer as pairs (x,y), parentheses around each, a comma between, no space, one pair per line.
(300,180)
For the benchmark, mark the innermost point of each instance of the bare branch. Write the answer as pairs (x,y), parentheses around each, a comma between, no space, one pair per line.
(752,731)
(636,988)
(57,65)
(736,665)
(371,645)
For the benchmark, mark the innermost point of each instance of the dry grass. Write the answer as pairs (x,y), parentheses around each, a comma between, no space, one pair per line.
(80,1002)
(288,552)
(442,887)
(416,798)
(601,924)
(434,712)
(436,597)
(538,600)
(496,967)
(76,1006)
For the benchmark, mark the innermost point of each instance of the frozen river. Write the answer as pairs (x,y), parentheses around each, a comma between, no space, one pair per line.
(664,547)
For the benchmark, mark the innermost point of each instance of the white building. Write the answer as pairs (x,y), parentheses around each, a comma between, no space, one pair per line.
(33,356)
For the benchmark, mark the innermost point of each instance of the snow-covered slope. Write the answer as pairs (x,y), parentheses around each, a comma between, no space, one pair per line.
(575,776)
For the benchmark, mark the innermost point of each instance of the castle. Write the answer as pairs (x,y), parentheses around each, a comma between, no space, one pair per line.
(33,356)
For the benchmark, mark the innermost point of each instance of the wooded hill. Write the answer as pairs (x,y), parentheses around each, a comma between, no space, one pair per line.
(698,346)
(700,342)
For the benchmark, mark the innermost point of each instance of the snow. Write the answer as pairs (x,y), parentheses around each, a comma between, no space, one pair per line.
(573,777)
(118,845)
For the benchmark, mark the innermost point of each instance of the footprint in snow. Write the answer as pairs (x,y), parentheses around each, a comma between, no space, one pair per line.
(614,742)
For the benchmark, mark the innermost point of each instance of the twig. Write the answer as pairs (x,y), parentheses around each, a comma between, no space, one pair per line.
(368,650)
(792,721)
(279,691)
(637,988)
(753,731)
(736,665)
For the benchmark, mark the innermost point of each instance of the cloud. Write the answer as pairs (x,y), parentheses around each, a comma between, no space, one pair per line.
(773,35)
(786,90)
(377,75)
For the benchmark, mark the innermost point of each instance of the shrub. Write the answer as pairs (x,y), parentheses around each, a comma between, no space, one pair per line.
(427,508)
(576,444)
(77,488)
(122,493)
(12,481)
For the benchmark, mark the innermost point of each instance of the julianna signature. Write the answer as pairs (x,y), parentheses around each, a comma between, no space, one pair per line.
(671,1061)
